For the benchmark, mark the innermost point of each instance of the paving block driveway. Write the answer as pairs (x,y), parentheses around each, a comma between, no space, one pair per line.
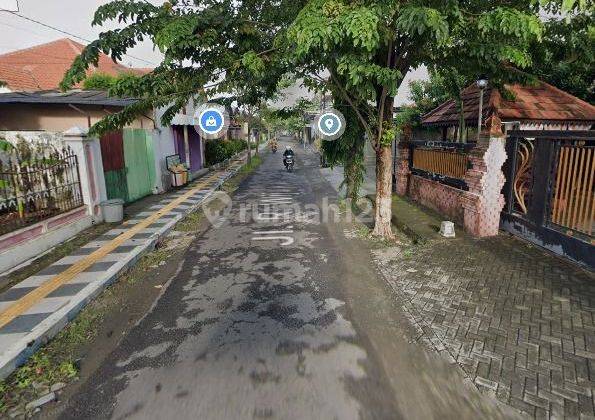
(517,320)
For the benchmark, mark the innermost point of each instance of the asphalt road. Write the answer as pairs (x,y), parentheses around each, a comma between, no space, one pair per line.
(274,316)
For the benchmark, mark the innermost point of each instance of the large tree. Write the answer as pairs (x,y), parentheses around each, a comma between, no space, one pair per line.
(565,58)
(211,49)
(375,43)
(359,49)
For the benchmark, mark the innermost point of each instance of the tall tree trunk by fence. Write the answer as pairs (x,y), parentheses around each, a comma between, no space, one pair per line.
(382,225)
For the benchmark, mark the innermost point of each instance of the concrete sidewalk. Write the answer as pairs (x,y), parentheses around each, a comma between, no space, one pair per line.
(36,309)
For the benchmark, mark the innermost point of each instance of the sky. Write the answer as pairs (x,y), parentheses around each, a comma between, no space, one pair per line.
(72,16)
(75,16)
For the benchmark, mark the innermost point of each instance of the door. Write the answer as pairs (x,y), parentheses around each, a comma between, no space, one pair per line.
(140,163)
(114,169)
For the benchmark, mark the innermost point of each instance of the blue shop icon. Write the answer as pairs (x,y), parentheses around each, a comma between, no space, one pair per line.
(211,121)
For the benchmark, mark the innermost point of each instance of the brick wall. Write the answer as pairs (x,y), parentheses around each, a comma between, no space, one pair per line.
(478,209)
(442,198)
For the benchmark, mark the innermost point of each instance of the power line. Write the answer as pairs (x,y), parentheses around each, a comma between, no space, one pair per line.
(70,34)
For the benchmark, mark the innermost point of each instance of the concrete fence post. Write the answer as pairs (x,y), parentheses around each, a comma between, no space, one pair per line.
(88,152)
(484,201)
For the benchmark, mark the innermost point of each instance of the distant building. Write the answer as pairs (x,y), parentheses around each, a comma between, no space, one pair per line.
(42,67)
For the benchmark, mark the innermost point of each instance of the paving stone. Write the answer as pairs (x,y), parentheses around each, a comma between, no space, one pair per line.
(15,293)
(100,266)
(515,317)
(23,323)
(67,290)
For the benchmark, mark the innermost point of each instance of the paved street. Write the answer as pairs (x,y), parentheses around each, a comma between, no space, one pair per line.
(277,318)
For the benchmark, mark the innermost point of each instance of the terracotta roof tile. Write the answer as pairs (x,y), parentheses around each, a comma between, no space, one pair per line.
(532,103)
(42,67)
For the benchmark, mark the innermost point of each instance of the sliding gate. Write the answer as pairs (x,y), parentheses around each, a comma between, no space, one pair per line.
(549,191)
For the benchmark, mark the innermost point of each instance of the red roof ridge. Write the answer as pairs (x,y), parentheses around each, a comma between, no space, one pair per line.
(569,96)
(533,102)
(76,47)
(34,47)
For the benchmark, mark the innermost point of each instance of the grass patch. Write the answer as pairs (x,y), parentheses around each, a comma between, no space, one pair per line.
(56,362)
(362,231)
(190,223)
(233,184)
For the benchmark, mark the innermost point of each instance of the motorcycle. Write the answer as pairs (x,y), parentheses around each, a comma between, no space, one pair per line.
(274,148)
(289,163)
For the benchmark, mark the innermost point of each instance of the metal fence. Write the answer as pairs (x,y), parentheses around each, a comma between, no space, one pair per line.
(37,183)
(550,190)
(573,199)
(444,162)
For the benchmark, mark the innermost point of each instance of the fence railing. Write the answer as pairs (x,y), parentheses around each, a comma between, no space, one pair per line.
(573,198)
(441,161)
(36,185)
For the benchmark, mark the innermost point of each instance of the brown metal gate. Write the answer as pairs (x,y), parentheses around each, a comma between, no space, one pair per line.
(573,203)
(549,191)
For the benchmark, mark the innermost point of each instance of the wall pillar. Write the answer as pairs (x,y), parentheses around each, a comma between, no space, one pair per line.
(483,202)
(88,152)
(158,138)
(402,170)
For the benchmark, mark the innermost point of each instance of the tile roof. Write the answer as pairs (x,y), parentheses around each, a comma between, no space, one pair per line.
(42,67)
(539,103)
(74,97)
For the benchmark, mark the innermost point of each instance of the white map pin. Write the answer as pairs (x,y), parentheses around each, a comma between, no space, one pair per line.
(329,124)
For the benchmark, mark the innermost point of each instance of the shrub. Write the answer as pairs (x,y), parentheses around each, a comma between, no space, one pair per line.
(219,150)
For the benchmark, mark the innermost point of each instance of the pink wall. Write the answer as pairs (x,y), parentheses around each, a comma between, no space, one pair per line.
(442,198)
(33,232)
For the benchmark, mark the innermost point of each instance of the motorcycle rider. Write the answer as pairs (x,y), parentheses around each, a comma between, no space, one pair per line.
(288,152)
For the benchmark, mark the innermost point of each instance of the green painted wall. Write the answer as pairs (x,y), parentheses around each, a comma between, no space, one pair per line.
(140,163)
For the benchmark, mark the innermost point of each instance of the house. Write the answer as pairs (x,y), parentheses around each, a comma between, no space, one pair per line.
(127,164)
(42,67)
(530,172)
(533,107)
(33,105)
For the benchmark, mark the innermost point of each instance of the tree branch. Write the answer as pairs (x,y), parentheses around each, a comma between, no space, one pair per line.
(350,102)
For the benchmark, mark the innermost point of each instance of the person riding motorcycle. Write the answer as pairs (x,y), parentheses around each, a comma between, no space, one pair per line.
(288,152)
(274,145)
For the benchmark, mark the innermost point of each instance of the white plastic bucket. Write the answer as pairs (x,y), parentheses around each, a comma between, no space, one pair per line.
(113,210)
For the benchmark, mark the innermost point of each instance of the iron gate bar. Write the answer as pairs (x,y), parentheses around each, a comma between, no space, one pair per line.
(44,185)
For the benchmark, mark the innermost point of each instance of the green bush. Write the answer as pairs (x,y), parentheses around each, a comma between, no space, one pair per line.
(218,150)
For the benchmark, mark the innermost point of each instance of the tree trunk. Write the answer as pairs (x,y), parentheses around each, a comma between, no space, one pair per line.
(382,225)
(248,143)
(384,164)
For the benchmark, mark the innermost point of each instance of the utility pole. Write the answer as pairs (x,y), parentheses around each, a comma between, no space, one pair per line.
(186,146)
(247,132)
